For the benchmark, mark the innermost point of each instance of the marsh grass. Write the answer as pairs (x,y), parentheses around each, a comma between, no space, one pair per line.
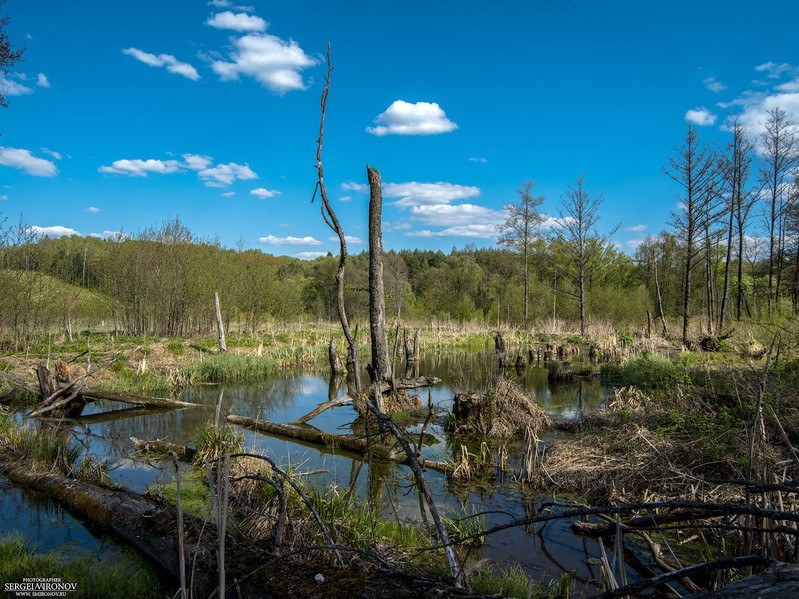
(97,578)
(46,450)
(512,581)
(214,441)
(195,498)
(228,368)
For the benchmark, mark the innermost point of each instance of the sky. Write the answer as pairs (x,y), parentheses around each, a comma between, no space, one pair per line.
(125,114)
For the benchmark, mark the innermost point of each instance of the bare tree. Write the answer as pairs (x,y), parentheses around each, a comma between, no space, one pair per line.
(780,156)
(521,229)
(693,168)
(380,369)
(582,244)
(332,221)
(735,168)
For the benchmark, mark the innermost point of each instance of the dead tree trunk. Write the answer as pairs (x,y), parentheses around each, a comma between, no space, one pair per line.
(381,362)
(332,221)
(336,367)
(500,351)
(219,327)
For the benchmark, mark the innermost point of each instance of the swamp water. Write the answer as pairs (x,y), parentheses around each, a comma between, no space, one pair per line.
(547,552)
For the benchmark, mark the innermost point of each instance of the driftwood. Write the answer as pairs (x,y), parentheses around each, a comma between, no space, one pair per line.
(183,452)
(605,528)
(780,581)
(358,445)
(322,407)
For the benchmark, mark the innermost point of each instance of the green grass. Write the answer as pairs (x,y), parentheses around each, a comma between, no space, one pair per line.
(195,498)
(226,368)
(45,449)
(129,576)
(511,581)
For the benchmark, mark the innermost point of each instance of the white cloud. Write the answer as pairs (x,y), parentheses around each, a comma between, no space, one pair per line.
(12,88)
(275,63)
(345,199)
(110,235)
(701,117)
(93,209)
(229,194)
(480,159)
(219,3)
(774,70)
(3,198)
(353,186)
(755,115)
(140,168)
(404,118)
(224,174)
(52,153)
(237,21)
(458,214)
(24,160)
(636,228)
(634,243)
(714,85)
(349,239)
(275,240)
(55,231)
(310,255)
(427,194)
(479,231)
(42,81)
(197,162)
(263,193)
(172,64)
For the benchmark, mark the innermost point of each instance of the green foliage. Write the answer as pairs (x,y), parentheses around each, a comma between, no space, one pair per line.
(195,498)
(95,576)
(176,348)
(48,451)
(650,372)
(214,441)
(511,581)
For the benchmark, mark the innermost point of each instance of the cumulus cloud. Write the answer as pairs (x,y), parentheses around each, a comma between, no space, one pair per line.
(224,174)
(218,175)
(345,199)
(310,255)
(27,162)
(349,239)
(141,168)
(275,240)
(229,194)
(219,3)
(476,159)
(172,64)
(427,194)
(42,81)
(636,228)
(478,231)
(714,85)
(237,21)
(353,186)
(12,88)
(701,117)
(275,63)
(93,209)
(54,231)
(263,193)
(404,118)
(774,70)
(458,214)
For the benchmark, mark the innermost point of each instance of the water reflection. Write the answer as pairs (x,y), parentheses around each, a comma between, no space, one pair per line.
(105,431)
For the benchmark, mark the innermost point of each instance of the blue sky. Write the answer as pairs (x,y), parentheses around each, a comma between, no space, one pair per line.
(125,114)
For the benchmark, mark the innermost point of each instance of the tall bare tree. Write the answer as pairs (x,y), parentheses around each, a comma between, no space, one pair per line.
(582,244)
(381,362)
(780,156)
(520,230)
(693,168)
(735,166)
(332,221)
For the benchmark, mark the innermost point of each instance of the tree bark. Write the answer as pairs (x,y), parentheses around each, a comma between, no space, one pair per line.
(219,326)
(381,363)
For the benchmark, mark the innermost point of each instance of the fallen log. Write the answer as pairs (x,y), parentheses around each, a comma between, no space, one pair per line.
(134,399)
(333,403)
(418,382)
(605,528)
(359,445)
(183,452)
(17,382)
